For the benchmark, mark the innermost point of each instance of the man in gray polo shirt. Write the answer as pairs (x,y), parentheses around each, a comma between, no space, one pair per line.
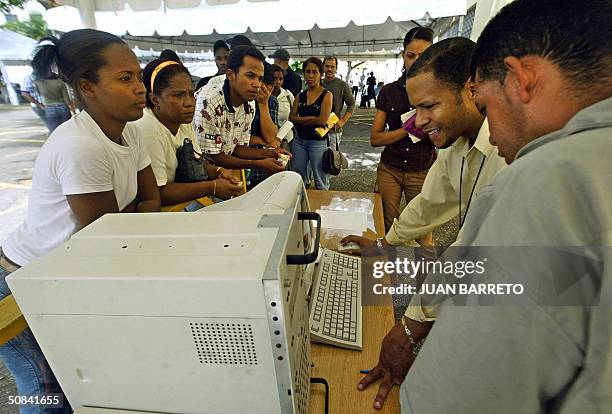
(548,98)
(342,95)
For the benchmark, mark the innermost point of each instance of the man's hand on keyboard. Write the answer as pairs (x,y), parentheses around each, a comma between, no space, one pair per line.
(394,361)
(367,246)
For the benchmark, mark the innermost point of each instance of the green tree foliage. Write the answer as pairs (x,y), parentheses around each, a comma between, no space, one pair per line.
(296,66)
(35,28)
(5,5)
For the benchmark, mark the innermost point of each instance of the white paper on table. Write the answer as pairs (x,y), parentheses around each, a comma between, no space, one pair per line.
(356,222)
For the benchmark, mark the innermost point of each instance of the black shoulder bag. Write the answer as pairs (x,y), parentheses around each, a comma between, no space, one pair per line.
(190,166)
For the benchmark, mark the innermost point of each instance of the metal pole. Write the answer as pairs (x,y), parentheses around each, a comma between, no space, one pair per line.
(87,11)
(9,86)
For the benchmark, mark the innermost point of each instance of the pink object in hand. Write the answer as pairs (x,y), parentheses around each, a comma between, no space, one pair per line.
(411,128)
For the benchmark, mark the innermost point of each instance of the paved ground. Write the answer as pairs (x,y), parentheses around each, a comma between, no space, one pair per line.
(22,134)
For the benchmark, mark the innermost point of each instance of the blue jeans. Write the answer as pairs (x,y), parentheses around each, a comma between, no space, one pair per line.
(33,376)
(56,114)
(310,152)
(40,113)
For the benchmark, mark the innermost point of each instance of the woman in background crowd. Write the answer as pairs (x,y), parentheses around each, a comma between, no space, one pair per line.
(55,100)
(403,163)
(285,99)
(311,110)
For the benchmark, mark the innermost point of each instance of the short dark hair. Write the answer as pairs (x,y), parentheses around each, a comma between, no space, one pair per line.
(268,77)
(78,54)
(448,61)
(329,58)
(276,68)
(571,34)
(236,56)
(240,40)
(423,33)
(162,80)
(169,54)
(315,61)
(220,44)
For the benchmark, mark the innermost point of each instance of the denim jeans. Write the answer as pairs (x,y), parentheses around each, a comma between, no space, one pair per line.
(56,114)
(24,359)
(310,152)
(40,113)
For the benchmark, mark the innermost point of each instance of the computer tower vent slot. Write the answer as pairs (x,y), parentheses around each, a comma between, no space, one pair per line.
(302,378)
(224,343)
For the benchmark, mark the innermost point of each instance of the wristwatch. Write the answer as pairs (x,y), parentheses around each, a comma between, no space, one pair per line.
(379,244)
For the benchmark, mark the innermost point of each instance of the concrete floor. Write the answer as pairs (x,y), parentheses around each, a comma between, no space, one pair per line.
(22,134)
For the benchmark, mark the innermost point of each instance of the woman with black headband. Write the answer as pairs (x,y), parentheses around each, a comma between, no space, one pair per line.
(165,125)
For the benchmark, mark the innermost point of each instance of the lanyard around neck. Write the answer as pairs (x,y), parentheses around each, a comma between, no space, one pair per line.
(461,222)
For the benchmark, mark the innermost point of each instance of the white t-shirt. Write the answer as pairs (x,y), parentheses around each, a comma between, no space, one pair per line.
(285,102)
(76,159)
(162,145)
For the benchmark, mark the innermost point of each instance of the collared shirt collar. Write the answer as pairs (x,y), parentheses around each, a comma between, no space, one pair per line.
(401,81)
(598,115)
(481,144)
(282,93)
(228,98)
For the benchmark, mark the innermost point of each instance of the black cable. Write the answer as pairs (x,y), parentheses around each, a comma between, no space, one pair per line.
(324,382)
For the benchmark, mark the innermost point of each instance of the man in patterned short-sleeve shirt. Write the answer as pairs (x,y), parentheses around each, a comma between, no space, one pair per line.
(225,111)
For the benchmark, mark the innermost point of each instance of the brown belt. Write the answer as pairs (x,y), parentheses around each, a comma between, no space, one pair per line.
(7,264)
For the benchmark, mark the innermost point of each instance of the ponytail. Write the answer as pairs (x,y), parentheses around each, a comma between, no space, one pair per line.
(44,57)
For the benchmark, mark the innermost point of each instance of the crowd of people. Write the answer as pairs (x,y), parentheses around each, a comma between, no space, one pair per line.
(511,130)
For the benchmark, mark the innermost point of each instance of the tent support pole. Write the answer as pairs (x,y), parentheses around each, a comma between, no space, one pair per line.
(87,12)
(9,86)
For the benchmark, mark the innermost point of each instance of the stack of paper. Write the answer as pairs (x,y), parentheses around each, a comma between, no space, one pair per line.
(355,222)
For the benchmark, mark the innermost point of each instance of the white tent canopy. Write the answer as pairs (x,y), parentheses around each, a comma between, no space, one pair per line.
(305,27)
(173,17)
(15,48)
(379,41)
